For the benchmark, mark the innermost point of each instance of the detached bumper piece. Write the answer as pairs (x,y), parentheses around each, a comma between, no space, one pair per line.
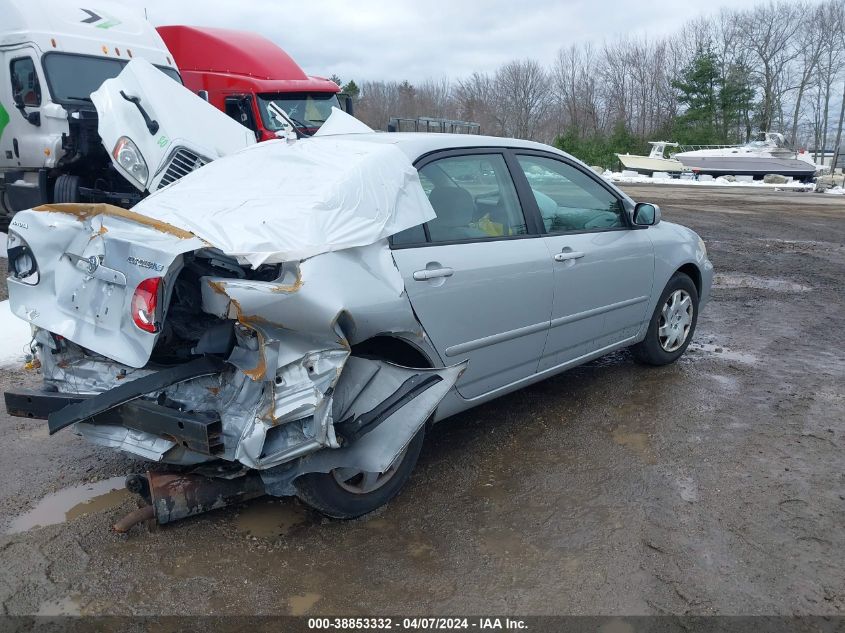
(122,406)
(91,407)
(353,428)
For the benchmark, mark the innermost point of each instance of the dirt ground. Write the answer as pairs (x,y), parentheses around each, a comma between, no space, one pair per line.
(713,486)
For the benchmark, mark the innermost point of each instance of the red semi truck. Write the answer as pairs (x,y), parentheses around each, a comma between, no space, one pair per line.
(243,74)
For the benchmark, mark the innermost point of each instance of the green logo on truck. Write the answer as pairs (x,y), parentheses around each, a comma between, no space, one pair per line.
(104,21)
(4,119)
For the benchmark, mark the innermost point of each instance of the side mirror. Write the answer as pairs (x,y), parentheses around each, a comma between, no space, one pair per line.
(646,214)
(203,94)
(347,103)
(34,118)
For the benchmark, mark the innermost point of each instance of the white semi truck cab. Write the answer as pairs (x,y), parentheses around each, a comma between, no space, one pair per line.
(54,54)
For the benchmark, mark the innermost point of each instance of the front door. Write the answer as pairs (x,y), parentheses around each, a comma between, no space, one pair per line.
(603,266)
(478,277)
(22,143)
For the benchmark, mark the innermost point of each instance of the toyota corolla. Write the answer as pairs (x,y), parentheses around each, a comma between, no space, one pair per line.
(296,314)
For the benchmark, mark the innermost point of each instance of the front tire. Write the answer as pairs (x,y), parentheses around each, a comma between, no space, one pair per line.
(346,494)
(66,188)
(672,325)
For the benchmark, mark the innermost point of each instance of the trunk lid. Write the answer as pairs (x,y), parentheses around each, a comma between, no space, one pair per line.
(89,261)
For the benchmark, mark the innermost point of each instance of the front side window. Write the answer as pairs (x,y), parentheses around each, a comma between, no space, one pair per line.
(72,78)
(569,199)
(240,109)
(26,88)
(473,197)
(307,111)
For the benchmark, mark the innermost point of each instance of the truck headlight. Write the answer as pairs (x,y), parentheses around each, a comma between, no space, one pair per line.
(131,161)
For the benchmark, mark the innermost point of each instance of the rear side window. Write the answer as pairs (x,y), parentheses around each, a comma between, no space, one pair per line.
(25,86)
(569,199)
(474,198)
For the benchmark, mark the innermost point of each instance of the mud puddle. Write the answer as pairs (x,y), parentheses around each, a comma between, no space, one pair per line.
(720,352)
(732,281)
(59,607)
(71,503)
(270,518)
(300,605)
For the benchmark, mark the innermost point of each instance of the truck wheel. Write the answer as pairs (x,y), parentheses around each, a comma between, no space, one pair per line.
(345,493)
(66,188)
(5,206)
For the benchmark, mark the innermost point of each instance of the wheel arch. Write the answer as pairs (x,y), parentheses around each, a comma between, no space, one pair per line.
(693,272)
(394,349)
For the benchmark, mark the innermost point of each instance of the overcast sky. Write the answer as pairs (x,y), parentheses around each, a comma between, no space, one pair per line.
(414,40)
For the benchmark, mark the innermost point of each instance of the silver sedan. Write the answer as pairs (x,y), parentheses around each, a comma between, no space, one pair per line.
(296,314)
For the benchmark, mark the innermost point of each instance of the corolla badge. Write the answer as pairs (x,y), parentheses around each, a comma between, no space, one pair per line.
(145,263)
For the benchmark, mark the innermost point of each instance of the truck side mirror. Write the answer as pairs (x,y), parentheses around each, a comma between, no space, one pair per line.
(34,118)
(203,94)
(347,103)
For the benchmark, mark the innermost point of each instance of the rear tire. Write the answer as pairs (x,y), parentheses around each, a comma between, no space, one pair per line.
(66,188)
(672,325)
(334,493)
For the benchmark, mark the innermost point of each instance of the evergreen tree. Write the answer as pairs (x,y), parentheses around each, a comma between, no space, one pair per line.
(351,89)
(718,101)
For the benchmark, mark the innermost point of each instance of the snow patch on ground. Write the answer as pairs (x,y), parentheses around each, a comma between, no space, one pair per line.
(14,343)
(836,191)
(628,178)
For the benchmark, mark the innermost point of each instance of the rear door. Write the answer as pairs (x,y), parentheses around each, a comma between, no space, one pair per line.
(603,265)
(478,276)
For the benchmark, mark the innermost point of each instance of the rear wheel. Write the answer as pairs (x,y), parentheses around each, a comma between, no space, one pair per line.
(346,493)
(672,325)
(66,188)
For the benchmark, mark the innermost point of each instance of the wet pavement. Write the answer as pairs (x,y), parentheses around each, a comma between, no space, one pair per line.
(711,486)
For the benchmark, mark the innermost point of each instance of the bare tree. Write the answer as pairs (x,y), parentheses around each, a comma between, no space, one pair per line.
(769,31)
(790,55)
(522,87)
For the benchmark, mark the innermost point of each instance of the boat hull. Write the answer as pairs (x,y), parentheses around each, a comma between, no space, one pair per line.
(756,166)
(647,166)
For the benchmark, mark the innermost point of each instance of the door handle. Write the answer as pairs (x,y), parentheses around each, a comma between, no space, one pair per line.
(432,273)
(562,257)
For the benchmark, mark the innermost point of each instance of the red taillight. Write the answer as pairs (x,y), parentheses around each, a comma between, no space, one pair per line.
(144,303)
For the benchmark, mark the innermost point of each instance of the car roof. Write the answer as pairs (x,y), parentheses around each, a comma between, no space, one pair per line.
(416,144)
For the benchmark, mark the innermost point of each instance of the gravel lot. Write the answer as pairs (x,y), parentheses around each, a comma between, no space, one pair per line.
(711,486)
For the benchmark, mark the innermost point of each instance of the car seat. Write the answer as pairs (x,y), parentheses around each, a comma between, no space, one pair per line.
(455,209)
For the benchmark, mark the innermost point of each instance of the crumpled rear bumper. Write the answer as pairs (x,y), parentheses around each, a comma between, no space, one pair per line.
(376,408)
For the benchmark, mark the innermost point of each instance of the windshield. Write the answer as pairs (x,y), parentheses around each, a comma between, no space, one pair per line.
(72,78)
(306,110)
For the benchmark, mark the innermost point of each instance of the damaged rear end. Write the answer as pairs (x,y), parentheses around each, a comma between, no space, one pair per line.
(153,341)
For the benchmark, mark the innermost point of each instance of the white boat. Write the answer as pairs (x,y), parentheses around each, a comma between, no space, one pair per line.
(655,161)
(767,154)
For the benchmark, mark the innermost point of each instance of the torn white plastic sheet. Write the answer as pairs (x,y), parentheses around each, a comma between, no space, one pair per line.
(341,123)
(287,201)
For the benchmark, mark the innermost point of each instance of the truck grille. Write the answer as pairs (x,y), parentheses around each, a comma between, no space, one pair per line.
(182,162)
